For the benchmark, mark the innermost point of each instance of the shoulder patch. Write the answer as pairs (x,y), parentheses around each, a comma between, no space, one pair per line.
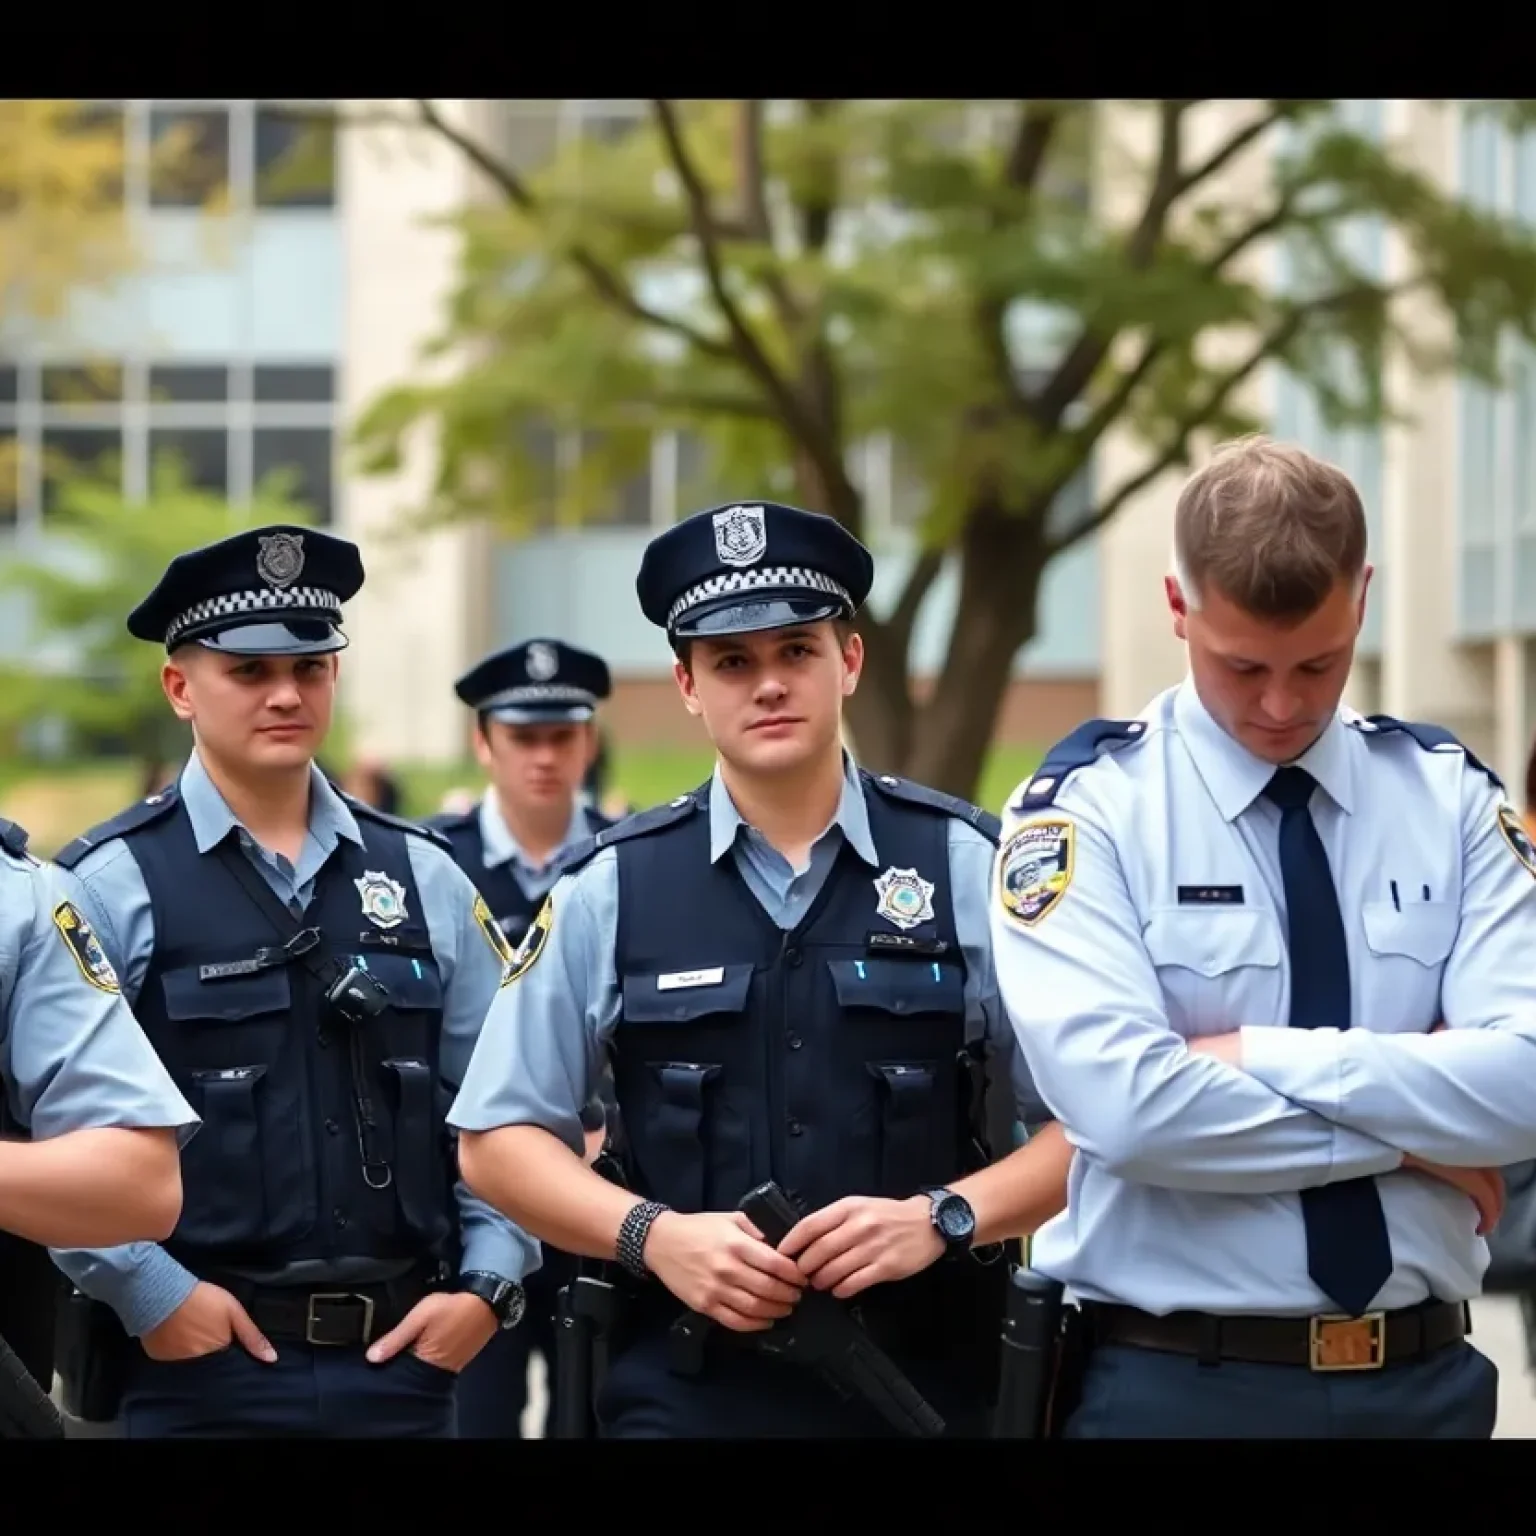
(1035,867)
(1069,754)
(399,823)
(527,953)
(81,941)
(911,793)
(1432,738)
(13,838)
(641,824)
(501,946)
(142,813)
(1519,840)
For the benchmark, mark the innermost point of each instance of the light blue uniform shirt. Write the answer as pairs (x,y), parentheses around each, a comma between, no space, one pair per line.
(1183,1190)
(72,1055)
(543,1047)
(140,1281)
(501,847)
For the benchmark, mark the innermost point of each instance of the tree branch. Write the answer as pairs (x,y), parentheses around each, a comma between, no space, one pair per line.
(920,579)
(602,278)
(756,219)
(1037,126)
(1177,449)
(747,348)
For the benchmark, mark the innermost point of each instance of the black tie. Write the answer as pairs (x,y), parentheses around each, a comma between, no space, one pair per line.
(1348,1252)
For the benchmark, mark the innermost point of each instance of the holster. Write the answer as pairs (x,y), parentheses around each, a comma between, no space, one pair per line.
(585,1313)
(93,1352)
(1044,1348)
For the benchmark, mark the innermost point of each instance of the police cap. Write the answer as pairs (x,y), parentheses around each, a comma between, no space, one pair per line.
(536,682)
(735,569)
(264,592)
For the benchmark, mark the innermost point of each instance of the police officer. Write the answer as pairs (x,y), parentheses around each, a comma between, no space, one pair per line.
(1229,934)
(788,970)
(313,972)
(89,1118)
(535,738)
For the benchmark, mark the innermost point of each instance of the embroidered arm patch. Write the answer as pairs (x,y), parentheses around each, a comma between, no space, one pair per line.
(1516,836)
(1034,868)
(500,944)
(82,943)
(532,946)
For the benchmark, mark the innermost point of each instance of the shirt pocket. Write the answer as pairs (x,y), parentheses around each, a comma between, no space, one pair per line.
(1408,951)
(1219,967)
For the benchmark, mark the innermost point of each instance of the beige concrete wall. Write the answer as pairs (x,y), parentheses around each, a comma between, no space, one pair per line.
(421,617)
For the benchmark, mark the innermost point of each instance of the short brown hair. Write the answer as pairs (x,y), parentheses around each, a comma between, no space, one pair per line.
(1270,527)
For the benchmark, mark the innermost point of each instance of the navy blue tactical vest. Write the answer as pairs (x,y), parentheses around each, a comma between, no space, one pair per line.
(510,904)
(320,1139)
(831,1058)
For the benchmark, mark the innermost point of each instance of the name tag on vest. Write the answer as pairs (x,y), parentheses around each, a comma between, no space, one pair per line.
(679,979)
(230,968)
(1210,895)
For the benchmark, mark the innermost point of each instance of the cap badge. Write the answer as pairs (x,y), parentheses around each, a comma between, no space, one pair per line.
(541,661)
(741,535)
(280,558)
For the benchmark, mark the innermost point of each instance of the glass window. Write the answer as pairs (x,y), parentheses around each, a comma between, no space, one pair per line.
(294,385)
(10,479)
(305,452)
(202,453)
(190,161)
(10,382)
(95,451)
(84,384)
(295,161)
(187,383)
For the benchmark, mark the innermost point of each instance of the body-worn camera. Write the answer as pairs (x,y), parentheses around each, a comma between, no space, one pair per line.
(357,996)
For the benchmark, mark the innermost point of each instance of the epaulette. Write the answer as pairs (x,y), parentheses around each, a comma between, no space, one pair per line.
(641,824)
(13,838)
(1433,738)
(599,821)
(936,800)
(399,823)
(1069,754)
(141,813)
(449,821)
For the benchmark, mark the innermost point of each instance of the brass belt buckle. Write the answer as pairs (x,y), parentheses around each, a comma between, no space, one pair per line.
(1341,1343)
(313,1324)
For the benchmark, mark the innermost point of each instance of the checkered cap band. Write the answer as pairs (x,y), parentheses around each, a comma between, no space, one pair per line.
(272,602)
(758,579)
(539,693)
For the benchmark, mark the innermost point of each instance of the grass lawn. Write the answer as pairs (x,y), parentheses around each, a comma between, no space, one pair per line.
(56,803)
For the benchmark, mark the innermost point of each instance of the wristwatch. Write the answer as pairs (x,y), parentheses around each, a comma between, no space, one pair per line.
(505,1298)
(953,1219)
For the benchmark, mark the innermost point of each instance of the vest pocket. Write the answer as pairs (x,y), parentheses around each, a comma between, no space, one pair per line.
(247,1175)
(422,1185)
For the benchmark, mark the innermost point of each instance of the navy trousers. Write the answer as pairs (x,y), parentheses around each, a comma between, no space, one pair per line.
(309,1392)
(493,1388)
(744,1396)
(1131,1393)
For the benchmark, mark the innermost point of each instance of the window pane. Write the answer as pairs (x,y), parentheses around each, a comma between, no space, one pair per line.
(191,157)
(186,382)
(89,384)
(10,379)
(697,479)
(306,451)
(295,162)
(95,451)
(10,478)
(314,384)
(100,126)
(203,453)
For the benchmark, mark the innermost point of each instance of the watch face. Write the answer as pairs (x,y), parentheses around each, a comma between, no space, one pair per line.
(954,1218)
(515,1303)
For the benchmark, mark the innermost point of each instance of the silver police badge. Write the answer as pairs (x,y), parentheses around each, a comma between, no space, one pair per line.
(541,661)
(383,899)
(280,558)
(906,899)
(741,535)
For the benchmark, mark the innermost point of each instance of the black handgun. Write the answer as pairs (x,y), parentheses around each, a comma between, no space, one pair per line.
(823,1334)
(1032,1341)
(26,1411)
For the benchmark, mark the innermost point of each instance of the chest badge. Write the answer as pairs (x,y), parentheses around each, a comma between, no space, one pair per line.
(906,899)
(383,899)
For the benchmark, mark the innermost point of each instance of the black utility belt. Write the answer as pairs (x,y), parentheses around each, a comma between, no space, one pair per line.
(346,1315)
(1330,1342)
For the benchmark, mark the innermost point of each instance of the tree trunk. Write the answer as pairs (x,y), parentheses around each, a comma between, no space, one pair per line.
(880,713)
(1002,562)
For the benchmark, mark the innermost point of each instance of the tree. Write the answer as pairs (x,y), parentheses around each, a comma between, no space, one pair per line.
(103,555)
(786,280)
